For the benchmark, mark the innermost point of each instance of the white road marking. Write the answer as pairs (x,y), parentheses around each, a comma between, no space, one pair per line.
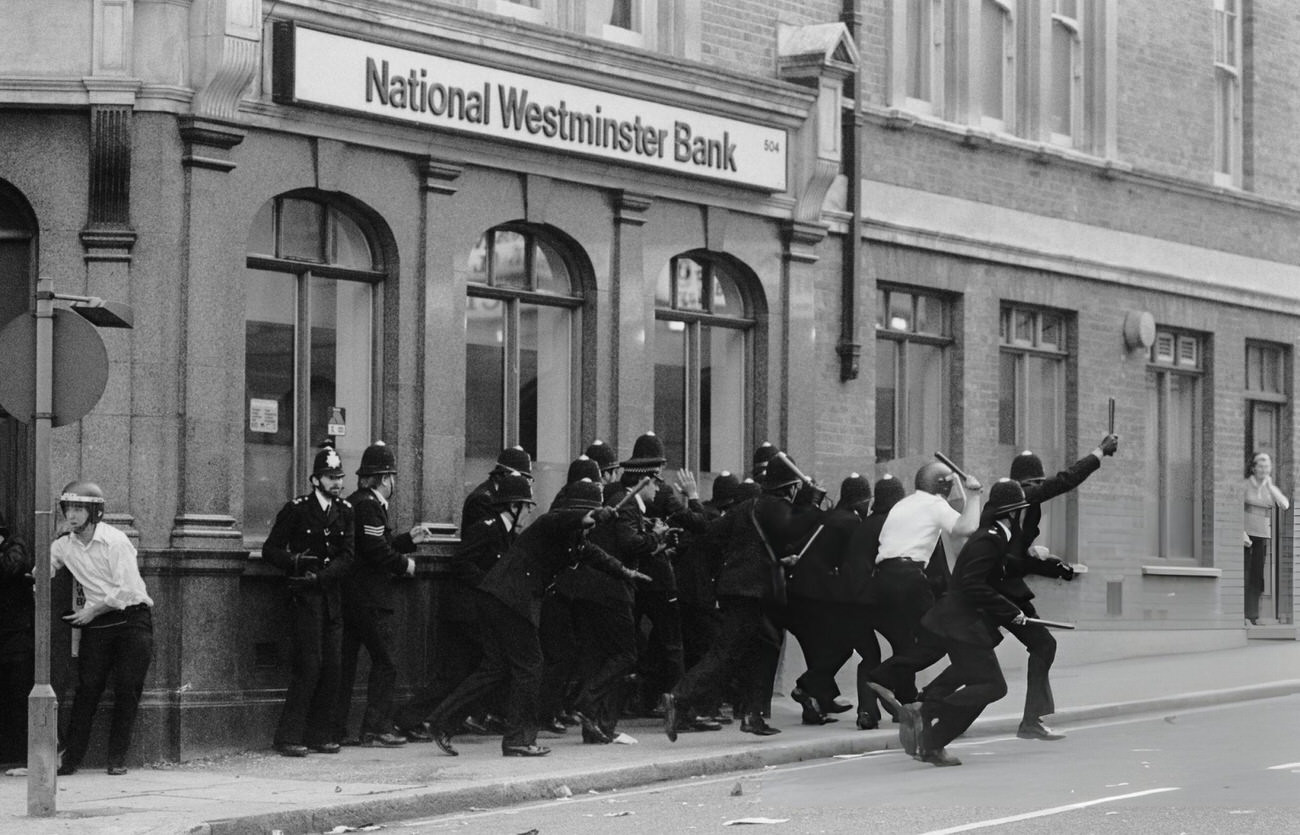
(1283,767)
(1042,813)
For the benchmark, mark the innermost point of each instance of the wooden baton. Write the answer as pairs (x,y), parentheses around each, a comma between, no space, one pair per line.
(804,549)
(805,479)
(956,470)
(1055,624)
(1111,423)
(640,485)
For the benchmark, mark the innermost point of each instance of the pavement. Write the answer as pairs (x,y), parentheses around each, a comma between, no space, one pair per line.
(261,792)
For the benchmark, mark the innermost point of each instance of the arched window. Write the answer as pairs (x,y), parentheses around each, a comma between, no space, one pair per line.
(521,330)
(311,296)
(17,257)
(702,369)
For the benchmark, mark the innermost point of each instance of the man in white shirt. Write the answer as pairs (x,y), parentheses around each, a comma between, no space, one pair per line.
(116,623)
(902,591)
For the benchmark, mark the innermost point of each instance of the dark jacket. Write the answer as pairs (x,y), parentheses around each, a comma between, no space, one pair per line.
(696,562)
(1019,563)
(481,546)
(973,610)
(628,539)
(818,574)
(379,555)
(17,601)
(749,567)
(552,542)
(478,504)
(302,528)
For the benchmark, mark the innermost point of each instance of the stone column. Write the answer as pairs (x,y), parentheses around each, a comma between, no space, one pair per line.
(631,367)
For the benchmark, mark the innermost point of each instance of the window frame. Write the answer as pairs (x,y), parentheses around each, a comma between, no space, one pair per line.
(1010,70)
(1074,28)
(1228,127)
(936,56)
(944,341)
(695,321)
(303,271)
(513,298)
(1161,371)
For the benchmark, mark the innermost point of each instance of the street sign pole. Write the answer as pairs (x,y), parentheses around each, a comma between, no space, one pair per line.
(42,707)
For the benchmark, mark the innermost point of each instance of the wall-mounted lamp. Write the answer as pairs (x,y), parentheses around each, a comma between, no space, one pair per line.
(1139,329)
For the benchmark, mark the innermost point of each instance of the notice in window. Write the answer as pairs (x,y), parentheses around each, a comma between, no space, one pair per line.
(263,415)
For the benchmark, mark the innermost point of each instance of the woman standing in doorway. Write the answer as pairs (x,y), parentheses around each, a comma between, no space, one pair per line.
(1261,496)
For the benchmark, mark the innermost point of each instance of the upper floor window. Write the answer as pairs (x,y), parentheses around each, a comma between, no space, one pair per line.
(533,11)
(913,374)
(1227,93)
(703,331)
(522,318)
(1065,93)
(311,295)
(997,68)
(1174,466)
(922,55)
(1264,370)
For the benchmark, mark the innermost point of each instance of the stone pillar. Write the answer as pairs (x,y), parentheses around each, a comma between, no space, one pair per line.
(443,323)
(799,371)
(631,300)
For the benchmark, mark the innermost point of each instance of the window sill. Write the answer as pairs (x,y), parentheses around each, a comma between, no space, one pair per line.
(1181,571)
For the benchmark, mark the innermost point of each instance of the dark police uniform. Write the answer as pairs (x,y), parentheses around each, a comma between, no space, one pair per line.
(368,606)
(302,528)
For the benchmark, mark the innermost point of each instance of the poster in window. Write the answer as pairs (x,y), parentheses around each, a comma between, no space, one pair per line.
(263,415)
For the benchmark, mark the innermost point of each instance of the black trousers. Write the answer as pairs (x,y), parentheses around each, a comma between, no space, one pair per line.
(699,632)
(559,636)
(1041,644)
(121,653)
(748,647)
(904,595)
(372,628)
(458,651)
(823,629)
(959,694)
(512,658)
(308,714)
(1256,555)
(17,674)
(608,635)
(661,663)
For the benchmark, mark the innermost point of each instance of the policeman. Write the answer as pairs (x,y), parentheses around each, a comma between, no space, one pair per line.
(1027,558)
(967,621)
(757,533)
(116,623)
(312,543)
(368,599)
(513,460)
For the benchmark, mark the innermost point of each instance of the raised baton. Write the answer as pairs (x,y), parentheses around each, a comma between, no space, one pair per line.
(1111,424)
(804,549)
(946,460)
(805,479)
(640,485)
(1055,624)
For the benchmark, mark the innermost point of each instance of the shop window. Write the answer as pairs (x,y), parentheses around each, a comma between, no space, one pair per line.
(1227,93)
(1174,460)
(311,292)
(1031,401)
(703,332)
(522,313)
(913,375)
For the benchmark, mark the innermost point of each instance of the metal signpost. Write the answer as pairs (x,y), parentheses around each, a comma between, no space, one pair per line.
(53,370)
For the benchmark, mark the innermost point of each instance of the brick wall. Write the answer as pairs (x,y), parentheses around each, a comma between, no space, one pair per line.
(740,35)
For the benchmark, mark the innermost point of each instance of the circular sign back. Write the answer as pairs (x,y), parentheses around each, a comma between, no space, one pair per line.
(80,367)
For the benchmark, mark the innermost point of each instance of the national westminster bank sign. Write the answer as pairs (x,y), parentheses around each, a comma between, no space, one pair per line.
(318,68)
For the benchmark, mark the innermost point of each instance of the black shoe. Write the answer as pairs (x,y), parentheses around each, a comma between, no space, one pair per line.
(117,770)
(476,726)
(570,720)
(350,741)
(813,717)
(443,741)
(1035,729)
(291,750)
(382,740)
(836,706)
(888,700)
(555,726)
(590,730)
(754,723)
(416,733)
(524,751)
(671,716)
(867,722)
(806,701)
(701,723)
(326,748)
(939,757)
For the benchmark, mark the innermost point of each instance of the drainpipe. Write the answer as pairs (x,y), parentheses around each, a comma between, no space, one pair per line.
(849,349)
